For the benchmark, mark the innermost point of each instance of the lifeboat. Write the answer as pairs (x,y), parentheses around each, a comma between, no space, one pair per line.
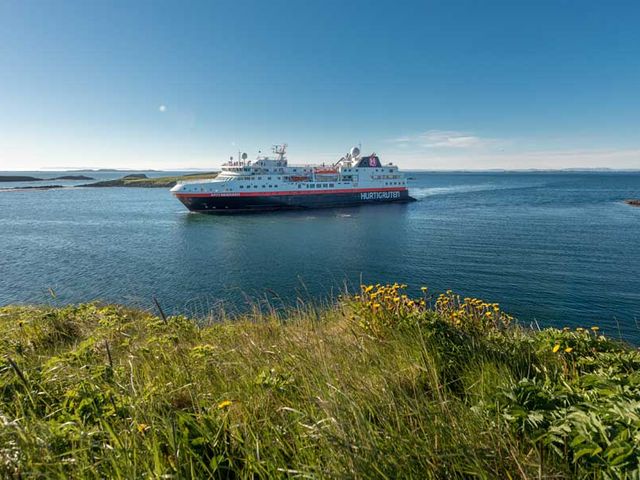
(326,171)
(299,179)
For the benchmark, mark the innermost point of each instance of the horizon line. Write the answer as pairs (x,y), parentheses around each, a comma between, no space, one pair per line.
(422,170)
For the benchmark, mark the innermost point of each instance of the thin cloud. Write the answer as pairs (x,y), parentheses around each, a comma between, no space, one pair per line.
(446,139)
(517,160)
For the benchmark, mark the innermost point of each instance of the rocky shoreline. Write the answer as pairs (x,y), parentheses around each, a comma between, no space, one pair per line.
(38,187)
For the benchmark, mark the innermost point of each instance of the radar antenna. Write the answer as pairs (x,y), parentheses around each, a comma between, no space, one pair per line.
(280,150)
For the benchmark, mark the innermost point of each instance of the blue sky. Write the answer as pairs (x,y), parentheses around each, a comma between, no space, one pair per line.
(427,84)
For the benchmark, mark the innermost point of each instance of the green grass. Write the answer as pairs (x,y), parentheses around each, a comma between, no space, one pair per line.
(356,390)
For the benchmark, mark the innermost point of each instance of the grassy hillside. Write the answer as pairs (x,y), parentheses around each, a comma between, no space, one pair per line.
(141,180)
(378,386)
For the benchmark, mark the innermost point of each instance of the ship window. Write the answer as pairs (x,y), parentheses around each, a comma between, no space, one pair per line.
(299,186)
(331,185)
(268,178)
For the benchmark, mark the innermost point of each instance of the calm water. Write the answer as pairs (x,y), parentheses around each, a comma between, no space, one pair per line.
(561,249)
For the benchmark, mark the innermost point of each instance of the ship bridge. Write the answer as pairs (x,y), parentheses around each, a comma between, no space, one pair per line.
(262,164)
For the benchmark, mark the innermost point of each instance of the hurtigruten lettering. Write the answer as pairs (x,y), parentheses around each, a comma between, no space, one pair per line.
(379,195)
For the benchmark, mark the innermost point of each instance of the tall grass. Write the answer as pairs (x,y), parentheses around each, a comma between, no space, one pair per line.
(372,387)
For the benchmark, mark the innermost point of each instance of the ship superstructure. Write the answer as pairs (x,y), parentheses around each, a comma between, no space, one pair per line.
(270,183)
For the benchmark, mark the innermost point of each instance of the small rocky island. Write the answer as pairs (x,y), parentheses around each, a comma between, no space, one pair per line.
(131,180)
(633,202)
(141,180)
(25,178)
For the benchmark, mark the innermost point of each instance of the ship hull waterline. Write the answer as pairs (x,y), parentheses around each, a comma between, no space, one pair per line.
(206,203)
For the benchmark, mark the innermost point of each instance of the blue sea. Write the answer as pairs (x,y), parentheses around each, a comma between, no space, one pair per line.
(552,248)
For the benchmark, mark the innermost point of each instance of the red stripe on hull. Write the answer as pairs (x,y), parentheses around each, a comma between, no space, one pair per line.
(292,192)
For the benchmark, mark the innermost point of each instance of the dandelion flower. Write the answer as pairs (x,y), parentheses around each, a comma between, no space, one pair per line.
(424,289)
(568,349)
(224,404)
(595,329)
(556,347)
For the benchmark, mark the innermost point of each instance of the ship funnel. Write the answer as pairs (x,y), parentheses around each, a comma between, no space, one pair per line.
(355,152)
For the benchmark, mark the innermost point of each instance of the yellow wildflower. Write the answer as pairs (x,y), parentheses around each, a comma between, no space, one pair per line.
(224,403)
(568,349)
(424,289)
(556,348)
(595,329)
(143,427)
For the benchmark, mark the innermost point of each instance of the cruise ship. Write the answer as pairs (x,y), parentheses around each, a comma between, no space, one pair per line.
(269,183)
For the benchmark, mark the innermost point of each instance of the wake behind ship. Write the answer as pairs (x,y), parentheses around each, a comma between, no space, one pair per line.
(269,183)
